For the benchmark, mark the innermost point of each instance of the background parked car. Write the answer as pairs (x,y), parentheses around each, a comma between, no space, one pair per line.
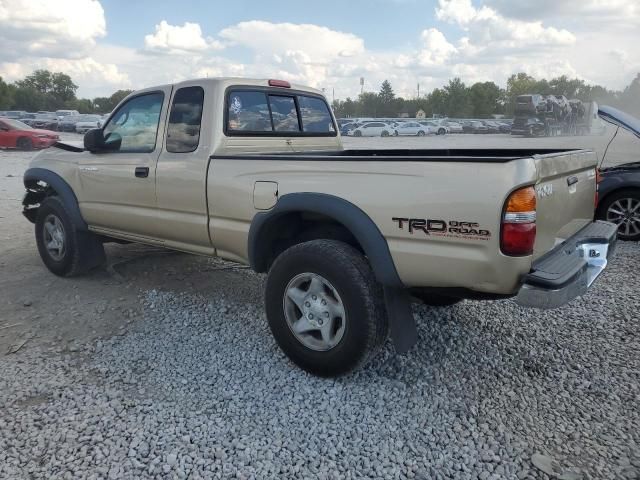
(88,122)
(476,126)
(347,127)
(48,121)
(454,127)
(492,127)
(434,127)
(15,114)
(410,128)
(65,113)
(15,134)
(27,118)
(504,126)
(68,123)
(372,129)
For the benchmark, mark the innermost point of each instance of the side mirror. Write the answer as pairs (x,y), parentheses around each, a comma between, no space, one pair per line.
(94,140)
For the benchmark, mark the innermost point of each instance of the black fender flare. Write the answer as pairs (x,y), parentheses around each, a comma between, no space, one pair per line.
(33,175)
(342,211)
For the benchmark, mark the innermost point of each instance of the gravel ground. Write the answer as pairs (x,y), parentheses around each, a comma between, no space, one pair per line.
(196,388)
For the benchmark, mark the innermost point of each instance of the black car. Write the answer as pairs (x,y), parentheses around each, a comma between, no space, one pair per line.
(619,187)
(68,123)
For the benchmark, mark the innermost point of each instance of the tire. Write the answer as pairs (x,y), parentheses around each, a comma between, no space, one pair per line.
(628,220)
(73,252)
(357,133)
(441,131)
(24,143)
(346,281)
(435,300)
(420,133)
(384,133)
(395,133)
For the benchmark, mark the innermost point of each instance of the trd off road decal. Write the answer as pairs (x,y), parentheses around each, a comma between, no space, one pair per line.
(443,228)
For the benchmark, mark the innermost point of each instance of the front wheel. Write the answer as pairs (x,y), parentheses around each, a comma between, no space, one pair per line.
(64,250)
(384,133)
(325,307)
(441,131)
(357,133)
(623,209)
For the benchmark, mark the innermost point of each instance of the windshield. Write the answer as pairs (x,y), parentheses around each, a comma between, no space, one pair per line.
(16,124)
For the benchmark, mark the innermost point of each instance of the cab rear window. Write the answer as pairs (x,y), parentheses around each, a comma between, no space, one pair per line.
(274,113)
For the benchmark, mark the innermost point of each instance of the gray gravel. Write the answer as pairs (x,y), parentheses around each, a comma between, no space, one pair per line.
(197,388)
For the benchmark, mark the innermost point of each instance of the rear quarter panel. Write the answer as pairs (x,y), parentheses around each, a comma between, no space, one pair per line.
(440,191)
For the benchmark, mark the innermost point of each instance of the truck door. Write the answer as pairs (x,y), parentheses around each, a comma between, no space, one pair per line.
(117,188)
(181,174)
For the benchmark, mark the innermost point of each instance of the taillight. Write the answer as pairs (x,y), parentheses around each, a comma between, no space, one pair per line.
(518,232)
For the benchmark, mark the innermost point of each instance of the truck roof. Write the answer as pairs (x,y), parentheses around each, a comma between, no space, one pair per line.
(224,82)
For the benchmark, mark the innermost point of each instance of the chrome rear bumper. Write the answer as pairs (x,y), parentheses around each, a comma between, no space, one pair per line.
(570,269)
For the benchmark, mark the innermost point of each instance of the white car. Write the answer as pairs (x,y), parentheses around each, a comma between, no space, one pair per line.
(437,128)
(372,129)
(89,122)
(454,127)
(411,128)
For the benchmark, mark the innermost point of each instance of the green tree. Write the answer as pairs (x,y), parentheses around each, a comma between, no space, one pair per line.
(6,95)
(40,81)
(368,105)
(386,100)
(457,99)
(484,98)
(62,87)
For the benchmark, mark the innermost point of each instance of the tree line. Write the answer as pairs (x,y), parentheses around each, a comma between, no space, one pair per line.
(483,99)
(45,90)
(50,91)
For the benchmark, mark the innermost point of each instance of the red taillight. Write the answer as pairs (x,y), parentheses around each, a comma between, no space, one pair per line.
(279,83)
(518,233)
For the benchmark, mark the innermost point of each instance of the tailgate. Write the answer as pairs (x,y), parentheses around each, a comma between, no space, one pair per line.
(565,192)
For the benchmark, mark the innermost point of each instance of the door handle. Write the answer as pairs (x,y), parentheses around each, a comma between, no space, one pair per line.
(142,172)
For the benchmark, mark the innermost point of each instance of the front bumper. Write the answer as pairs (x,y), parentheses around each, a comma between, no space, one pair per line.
(567,271)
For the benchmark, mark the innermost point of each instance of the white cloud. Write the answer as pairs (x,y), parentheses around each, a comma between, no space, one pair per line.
(488,30)
(49,28)
(320,43)
(174,39)
(436,49)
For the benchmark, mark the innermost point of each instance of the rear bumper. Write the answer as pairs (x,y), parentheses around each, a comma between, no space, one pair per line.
(570,269)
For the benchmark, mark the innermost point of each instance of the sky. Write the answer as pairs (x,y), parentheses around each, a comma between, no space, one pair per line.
(106,45)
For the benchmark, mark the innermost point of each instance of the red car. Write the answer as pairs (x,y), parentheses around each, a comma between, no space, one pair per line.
(15,134)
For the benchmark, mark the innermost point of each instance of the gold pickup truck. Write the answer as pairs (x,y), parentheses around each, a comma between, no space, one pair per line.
(254,171)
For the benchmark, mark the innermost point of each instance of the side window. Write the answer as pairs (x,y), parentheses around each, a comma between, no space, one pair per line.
(315,115)
(284,114)
(134,127)
(185,117)
(248,111)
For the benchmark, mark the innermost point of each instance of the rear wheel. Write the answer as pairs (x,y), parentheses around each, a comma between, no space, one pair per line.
(325,307)
(384,133)
(357,133)
(441,131)
(421,133)
(24,143)
(64,250)
(623,209)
